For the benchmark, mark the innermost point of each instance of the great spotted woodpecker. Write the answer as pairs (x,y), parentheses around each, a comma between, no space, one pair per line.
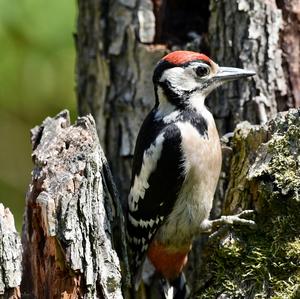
(177,162)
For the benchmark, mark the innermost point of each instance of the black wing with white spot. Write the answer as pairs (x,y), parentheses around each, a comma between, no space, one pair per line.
(156,180)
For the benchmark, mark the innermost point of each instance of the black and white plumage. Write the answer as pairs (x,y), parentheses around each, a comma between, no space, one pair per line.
(176,164)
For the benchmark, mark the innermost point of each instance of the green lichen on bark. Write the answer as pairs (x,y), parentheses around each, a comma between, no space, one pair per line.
(264,263)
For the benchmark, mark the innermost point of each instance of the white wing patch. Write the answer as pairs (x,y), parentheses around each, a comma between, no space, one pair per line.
(145,223)
(140,184)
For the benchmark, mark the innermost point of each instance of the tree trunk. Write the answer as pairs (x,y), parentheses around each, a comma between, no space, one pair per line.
(290,44)
(114,74)
(246,34)
(119,42)
(10,256)
(71,217)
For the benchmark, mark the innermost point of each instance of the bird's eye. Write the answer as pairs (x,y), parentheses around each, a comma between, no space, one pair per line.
(202,71)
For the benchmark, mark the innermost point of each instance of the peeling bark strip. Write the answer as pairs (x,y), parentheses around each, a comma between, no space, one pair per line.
(70,209)
(10,256)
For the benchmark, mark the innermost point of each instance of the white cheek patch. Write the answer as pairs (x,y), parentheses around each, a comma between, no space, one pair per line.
(180,78)
(140,185)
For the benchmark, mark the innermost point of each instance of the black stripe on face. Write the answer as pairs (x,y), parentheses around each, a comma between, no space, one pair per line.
(179,100)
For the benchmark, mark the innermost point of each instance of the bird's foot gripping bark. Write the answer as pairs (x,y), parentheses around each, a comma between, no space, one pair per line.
(219,227)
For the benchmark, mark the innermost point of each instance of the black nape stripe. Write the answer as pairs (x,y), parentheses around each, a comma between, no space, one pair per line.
(177,99)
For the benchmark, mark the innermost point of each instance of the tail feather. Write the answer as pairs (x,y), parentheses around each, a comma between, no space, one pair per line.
(167,289)
(176,289)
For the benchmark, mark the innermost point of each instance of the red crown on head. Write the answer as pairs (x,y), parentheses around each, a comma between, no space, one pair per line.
(180,57)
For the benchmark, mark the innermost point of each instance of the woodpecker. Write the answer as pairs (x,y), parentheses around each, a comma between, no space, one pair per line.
(176,164)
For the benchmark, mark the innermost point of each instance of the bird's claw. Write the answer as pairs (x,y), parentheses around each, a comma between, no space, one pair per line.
(219,227)
(226,137)
(235,220)
(225,143)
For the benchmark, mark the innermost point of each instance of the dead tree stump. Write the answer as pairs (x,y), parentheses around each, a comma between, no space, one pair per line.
(71,213)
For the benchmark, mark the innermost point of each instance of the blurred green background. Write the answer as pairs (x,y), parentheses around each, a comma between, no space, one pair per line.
(37,59)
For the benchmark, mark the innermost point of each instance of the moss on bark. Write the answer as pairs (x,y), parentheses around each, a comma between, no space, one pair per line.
(263,263)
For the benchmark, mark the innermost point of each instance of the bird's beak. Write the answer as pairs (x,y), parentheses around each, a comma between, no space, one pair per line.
(225,74)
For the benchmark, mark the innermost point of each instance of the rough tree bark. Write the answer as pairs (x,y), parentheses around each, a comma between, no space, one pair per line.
(290,43)
(10,256)
(119,41)
(114,74)
(71,217)
(246,34)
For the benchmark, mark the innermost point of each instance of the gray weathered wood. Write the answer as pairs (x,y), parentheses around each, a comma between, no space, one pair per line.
(10,256)
(71,213)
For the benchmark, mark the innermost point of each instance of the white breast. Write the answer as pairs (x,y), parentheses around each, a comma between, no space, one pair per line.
(202,163)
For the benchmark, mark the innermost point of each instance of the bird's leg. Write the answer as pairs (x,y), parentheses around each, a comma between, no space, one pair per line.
(220,226)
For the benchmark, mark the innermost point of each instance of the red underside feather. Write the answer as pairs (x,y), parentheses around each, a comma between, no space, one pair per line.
(168,263)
